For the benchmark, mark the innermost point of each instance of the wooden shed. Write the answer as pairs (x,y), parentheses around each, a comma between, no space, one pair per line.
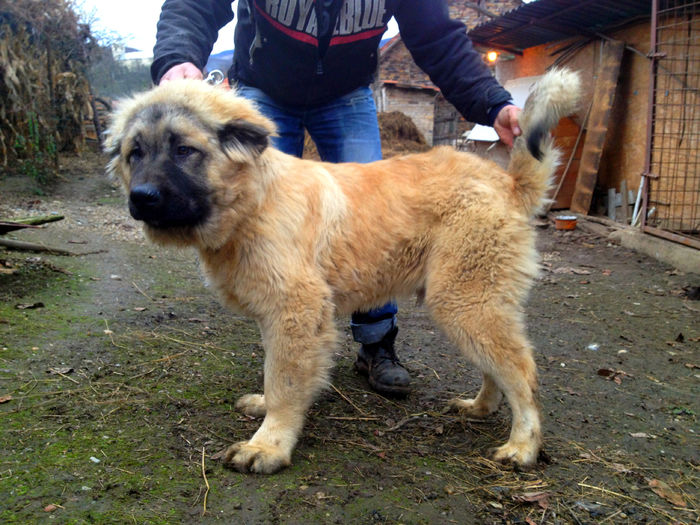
(638,128)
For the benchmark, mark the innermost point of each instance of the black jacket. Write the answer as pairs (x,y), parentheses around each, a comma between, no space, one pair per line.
(307,52)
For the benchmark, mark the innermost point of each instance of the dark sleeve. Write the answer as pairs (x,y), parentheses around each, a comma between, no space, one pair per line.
(441,48)
(187,30)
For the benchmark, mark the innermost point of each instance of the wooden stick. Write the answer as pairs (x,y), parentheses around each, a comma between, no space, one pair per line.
(41,219)
(32,247)
(348,400)
(206,482)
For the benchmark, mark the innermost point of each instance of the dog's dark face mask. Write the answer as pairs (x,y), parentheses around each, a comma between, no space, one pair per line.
(167,187)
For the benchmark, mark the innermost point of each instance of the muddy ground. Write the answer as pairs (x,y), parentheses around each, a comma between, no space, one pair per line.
(119,372)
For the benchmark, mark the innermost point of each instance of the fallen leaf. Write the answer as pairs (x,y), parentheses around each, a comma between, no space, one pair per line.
(50,507)
(613,375)
(29,306)
(622,469)
(139,309)
(607,272)
(541,498)
(692,366)
(571,270)
(642,435)
(662,489)
(656,291)
(60,370)
(5,398)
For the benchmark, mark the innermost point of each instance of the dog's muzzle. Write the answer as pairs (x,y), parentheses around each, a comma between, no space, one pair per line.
(146,202)
(161,208)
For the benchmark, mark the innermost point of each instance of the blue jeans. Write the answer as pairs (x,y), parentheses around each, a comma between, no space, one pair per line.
(344,130)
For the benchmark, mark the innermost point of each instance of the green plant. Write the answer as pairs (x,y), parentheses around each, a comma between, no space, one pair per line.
(37,150)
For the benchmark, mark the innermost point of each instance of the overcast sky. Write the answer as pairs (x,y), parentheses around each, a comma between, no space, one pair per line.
(135,22)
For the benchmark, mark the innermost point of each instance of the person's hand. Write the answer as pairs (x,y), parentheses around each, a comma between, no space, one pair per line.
(185,70)
(506,124)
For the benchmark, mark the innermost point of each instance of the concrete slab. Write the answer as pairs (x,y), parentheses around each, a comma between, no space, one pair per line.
(681,257)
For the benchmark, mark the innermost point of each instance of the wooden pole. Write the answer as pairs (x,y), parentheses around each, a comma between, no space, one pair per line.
(603,99)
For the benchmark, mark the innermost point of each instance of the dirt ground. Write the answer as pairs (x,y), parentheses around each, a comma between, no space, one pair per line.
(119,372)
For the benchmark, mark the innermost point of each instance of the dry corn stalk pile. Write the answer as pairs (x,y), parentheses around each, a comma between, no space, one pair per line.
(44,93)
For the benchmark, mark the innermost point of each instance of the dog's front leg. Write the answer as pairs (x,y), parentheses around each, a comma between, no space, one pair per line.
(298,344)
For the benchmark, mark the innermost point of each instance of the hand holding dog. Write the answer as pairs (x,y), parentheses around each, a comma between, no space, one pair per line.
(506,124)
(185,70)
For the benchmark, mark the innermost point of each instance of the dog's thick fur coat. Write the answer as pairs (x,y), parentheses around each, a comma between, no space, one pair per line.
(292,243)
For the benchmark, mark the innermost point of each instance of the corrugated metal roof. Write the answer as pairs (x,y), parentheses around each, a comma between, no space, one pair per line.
(545,21)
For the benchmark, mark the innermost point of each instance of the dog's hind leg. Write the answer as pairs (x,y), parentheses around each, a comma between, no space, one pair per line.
(491,335)
(298,340)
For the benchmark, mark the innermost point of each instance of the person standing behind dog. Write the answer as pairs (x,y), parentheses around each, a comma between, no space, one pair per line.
(308,65)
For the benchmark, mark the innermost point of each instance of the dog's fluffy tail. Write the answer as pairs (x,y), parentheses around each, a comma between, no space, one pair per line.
(534,158)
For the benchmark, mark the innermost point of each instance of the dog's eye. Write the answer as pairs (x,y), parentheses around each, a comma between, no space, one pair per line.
(182,152)
(135,154)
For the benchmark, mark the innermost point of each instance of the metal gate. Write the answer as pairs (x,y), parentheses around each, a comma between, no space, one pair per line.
(671,180)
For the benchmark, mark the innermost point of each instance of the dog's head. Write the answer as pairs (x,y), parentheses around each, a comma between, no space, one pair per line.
(187,153)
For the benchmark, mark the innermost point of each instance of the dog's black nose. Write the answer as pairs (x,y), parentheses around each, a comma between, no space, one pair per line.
(144,201)
(146,195)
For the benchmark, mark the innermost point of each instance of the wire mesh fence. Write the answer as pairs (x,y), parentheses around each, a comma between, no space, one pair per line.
(673,201)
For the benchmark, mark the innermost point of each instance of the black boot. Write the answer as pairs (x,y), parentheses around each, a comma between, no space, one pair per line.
(384,372)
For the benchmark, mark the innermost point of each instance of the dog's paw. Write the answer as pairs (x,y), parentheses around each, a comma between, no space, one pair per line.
(252,405)
(522,455)
(245,457)
(470,407)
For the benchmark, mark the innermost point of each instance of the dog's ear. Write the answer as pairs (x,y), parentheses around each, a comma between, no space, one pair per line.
(112,147)
(241,135)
